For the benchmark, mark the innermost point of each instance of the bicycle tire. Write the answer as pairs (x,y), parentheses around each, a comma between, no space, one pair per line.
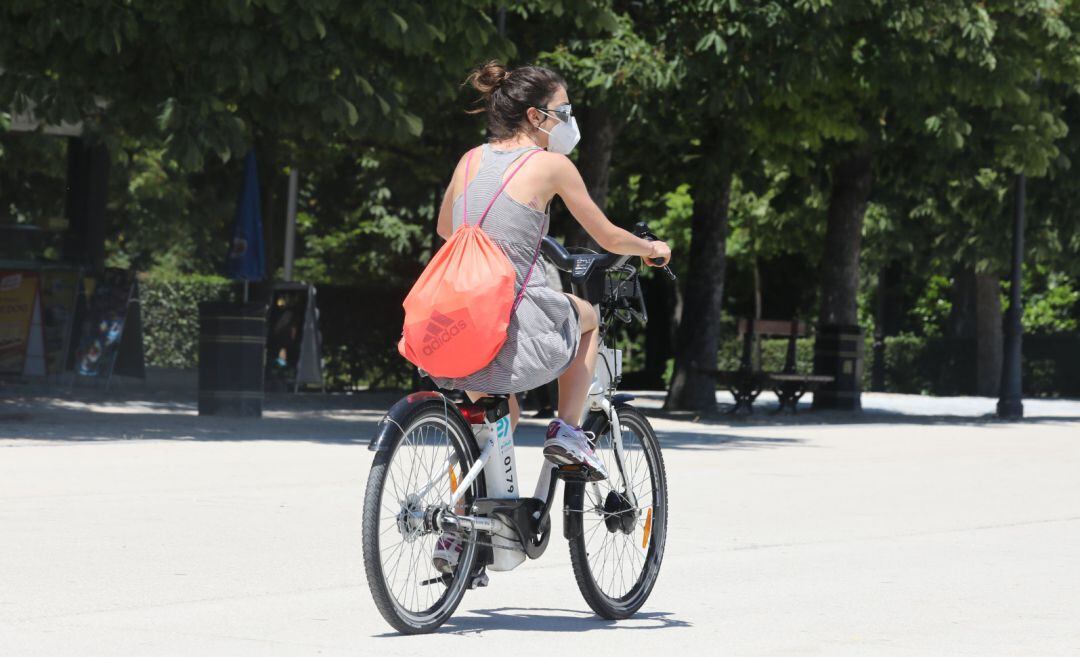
(605,603)
(432,413)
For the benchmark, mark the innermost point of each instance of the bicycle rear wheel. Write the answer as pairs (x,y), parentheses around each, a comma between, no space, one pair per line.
(616,557)
(417,472)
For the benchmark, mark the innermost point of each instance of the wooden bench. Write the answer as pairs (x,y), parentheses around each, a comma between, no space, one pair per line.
(747,382)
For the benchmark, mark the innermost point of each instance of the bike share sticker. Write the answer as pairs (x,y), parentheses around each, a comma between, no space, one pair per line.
(502,432)
(503,440)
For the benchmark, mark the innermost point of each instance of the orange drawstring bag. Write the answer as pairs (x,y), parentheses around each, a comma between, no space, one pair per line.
(457,312)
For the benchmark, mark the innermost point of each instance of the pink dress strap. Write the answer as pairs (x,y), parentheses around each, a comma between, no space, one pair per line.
(480,222)
(505,183)
(465,194)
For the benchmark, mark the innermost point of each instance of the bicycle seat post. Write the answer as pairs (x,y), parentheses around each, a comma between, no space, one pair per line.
(496,436)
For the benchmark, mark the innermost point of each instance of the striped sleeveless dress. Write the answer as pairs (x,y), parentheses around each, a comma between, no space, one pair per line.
(544,333)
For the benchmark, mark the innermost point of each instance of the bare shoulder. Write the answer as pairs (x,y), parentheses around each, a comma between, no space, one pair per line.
(556,164)
(465,158)
(459,168)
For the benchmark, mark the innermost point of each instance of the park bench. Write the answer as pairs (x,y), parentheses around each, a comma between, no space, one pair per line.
(747,382)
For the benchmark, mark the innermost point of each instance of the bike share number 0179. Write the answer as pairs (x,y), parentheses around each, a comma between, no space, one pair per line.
(505,447)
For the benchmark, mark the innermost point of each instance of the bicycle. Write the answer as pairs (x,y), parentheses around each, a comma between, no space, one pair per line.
(445,466)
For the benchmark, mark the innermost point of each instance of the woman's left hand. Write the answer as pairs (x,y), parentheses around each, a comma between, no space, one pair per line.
(659,254)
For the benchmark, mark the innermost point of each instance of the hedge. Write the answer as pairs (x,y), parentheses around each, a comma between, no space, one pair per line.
(934,366)
(170,315)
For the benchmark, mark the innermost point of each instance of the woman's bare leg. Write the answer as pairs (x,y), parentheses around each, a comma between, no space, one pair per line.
(575,381)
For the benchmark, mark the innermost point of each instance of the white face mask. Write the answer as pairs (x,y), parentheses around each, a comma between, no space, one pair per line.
(563,137)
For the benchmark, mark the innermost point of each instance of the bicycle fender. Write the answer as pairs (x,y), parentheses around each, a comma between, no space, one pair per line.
(389,428)
(622,398)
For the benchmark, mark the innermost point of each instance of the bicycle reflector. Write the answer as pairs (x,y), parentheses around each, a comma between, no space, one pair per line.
(474,413)
(648,530)
(453,480)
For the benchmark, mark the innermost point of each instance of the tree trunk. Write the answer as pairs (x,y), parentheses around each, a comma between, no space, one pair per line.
(975,318)
(962,314)
(599,133)
(852,178)
(838,345)
(989,341)
(86,203)
(699,330)
(660,302)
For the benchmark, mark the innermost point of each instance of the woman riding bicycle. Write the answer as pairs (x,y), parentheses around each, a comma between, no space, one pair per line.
(551,334)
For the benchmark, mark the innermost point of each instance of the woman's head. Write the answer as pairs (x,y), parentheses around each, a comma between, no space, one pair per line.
(520,100)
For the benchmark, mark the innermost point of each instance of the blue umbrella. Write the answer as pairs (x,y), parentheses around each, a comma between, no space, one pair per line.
(246,259)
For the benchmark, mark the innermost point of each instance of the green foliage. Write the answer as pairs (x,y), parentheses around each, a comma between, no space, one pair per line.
(905,371)
(170,315)
(355,229)
(216,79)
(773,354)
(1049,308)
(364,99)
(933,306)
(619,72)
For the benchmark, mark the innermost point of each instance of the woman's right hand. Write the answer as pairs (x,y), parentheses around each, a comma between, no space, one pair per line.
(659,254)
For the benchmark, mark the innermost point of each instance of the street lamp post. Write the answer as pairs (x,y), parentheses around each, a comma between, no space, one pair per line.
(1010,404)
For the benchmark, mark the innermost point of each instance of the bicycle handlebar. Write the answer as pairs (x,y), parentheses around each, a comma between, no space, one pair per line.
(564,260)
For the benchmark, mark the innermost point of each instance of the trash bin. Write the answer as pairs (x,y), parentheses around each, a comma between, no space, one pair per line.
(838,352)
(232,353)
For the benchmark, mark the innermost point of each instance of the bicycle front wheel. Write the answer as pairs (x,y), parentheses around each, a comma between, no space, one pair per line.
(616,558)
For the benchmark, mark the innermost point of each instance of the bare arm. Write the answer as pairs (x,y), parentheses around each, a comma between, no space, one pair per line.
(445,225)
(571,188)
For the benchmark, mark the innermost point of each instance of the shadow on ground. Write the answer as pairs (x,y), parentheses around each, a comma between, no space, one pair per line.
(765,414)
(351,419)
(332,419)
(552,620)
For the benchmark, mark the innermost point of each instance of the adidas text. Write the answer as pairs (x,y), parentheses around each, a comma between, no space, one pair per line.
(441,335)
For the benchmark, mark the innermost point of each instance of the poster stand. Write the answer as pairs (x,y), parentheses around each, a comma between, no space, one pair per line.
(35,343)
(20,322)
(102,339)
(130,360)
(61,294)
(294,342)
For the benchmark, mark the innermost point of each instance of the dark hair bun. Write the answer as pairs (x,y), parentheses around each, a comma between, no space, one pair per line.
(507,94)
(488,77)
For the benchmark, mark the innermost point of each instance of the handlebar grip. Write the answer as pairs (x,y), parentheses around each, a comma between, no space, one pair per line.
(658,262)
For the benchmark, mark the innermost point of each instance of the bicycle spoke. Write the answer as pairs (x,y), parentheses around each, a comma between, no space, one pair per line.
(616,560)
(418,465)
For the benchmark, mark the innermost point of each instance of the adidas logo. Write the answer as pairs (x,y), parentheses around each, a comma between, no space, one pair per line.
(440,330)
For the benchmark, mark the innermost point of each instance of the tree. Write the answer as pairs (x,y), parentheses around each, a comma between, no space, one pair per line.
(728,56)
(215,77)
(612,79)
(888,74)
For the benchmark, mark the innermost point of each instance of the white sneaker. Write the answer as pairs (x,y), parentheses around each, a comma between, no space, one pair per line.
(447,552)
(568,445)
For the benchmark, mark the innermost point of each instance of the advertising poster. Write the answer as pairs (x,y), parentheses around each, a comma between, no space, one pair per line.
(58,296)
(104,324)
(293,341)
(18,293)
(285,328)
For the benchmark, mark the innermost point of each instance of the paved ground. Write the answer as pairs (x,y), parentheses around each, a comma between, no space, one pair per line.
(916,528)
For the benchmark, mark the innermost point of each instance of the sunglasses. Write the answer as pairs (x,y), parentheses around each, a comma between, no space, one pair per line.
(562,112)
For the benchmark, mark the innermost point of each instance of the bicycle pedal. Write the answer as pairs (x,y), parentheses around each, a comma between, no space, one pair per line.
(577,472)
(479,580)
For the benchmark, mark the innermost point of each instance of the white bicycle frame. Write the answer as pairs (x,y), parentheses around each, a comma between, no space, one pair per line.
(500,432)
